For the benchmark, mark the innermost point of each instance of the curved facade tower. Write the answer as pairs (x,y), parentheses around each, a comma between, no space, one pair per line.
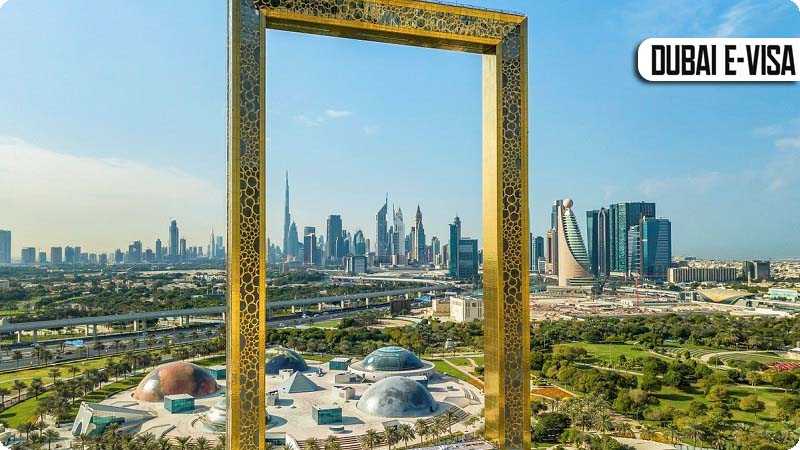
(573,260)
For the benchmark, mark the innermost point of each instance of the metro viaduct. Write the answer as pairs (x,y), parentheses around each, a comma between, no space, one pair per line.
(185,314)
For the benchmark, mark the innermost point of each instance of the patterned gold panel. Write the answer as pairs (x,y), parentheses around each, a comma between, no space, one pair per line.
(502,37)
(246,322)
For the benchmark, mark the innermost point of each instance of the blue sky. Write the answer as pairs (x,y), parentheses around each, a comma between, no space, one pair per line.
(112,121)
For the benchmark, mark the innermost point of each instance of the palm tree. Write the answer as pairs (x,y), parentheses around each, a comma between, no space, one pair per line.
(49,436)
(331,443)
(37,386)
(406,433)
(54,373)
(19,385)
(450,416)
(311,444)
(392,436)
(441,424)
(202,443)
(26,428)
(3,392)
(17,357)
(164,443)
(370,439)
(184,442)
(421,428)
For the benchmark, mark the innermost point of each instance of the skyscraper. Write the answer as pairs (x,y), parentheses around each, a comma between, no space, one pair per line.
(418,239)
(291,251)
(28,256)
(212,246)
(287,219)
(656,248)
(573,261)
(382,235)
(634,248)
(56,256)
(5,247)
(174,241)
(333,239)
(537,253)
(455,238)
(398,236)
(359,244)
(159,251)
(310,251)
(184,256)
(623,216)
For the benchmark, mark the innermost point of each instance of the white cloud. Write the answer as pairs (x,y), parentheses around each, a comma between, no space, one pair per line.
(315,120)
(788,143)
(337,113)
(56,198)
(735,18)
(796,3)
(369,130)
(698,183)
(3,2)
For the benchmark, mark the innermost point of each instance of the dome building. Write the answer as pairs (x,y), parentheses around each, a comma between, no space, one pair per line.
(397,397)
(389,362)
(173,379)
(283,359)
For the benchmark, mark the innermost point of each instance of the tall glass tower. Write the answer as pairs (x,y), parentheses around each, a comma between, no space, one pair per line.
(656,248)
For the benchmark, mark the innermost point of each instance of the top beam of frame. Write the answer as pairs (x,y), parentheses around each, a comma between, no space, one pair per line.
(405,22)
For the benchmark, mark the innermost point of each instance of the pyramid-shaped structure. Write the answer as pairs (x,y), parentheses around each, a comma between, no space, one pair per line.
(298,383)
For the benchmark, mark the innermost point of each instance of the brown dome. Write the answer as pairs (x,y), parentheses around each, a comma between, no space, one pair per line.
(175,378)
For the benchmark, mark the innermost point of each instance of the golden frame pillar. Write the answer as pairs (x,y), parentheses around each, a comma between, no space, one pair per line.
(502,40)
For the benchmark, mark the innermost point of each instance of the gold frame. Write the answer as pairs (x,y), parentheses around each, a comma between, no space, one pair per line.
(502,40)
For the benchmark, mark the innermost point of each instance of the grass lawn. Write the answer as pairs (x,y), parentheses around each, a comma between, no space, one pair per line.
(211,361)
(763,358)
(24,412)
(7,379)
(333,323)
(680,399)
(459,361)
(447,369)
(611,352)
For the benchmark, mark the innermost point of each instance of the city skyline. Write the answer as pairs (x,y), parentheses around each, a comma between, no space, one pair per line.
(632,141)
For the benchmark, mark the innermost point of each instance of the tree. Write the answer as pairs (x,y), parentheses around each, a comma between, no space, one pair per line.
(549,426)
(50,435)
(752,404)
(36,386)
(753,377)
(406,433)
(649,382)
(3,393)
(370,440)
(54,373)
(421,429)
(331,443)
(450,417)
(19,385)
(392,436)
(718,394)
(17,356)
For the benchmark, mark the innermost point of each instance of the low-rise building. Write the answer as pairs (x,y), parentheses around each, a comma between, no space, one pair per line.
(466,309)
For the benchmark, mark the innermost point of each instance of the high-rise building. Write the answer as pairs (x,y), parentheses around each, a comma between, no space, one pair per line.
(623,216)
(382,235)
(119,257)
(455,238)
(212,246)
(287,220)
(756,271)
(28,257)
(334,240)
(597,241)
(656,248)
(5,247)
(634,263)
(359,244)
(69,255)
(418,253)
(56,256)
(103,259)
(310,250)
(291,250)
(42,258)
(159,251)
(134,255)
(537,253)
(398,236)
(436,249)
(184,256)
(219,252)
(174,241)
(573,261)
